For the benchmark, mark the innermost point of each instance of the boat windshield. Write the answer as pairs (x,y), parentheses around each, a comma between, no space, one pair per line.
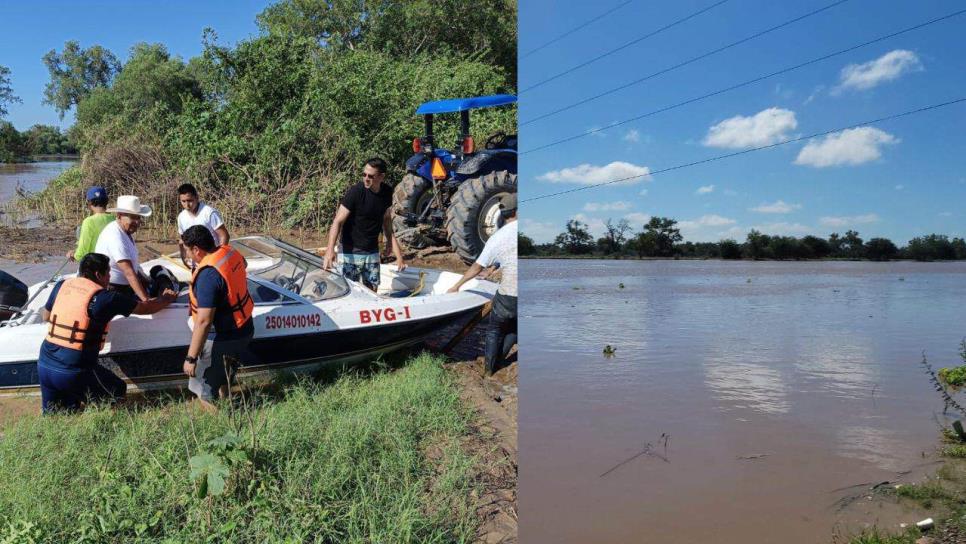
(290,267)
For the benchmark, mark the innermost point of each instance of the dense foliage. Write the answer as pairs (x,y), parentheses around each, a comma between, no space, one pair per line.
(660,237)
(273,129)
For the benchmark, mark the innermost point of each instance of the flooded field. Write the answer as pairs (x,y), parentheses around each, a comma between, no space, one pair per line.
(765,391)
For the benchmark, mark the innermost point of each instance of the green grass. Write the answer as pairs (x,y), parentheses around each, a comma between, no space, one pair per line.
(345,462)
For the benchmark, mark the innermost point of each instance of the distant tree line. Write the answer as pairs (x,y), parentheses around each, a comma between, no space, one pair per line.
(660,237)
(16,146)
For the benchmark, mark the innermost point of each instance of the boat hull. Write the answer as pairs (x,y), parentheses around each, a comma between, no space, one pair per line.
(162,368)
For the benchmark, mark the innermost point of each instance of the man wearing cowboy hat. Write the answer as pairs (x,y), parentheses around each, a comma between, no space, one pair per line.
(117,242)
(500,249)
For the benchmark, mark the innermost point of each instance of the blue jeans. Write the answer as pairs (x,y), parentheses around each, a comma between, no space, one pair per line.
(502,333)
(66,389)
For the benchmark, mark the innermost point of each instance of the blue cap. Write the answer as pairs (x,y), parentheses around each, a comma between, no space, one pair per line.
(95,193)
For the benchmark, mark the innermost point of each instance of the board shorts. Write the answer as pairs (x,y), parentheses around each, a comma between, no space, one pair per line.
(362,267)
(217,366)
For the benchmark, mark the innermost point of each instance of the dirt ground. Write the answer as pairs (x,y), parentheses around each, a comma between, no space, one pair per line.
(494,399)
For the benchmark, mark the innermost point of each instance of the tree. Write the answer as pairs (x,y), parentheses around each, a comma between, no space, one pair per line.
(75,73)
(959,248)
(663,234)
(615,237)
(835,244)
(815,248)
(852,244)
(730,249)
(756,245)
(439,28)
(880,249)
(784,247)
(525,245)
(11,143)
(576,240)
(6,91)
(931,247)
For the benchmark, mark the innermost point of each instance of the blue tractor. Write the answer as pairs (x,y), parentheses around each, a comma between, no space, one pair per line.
(454,195)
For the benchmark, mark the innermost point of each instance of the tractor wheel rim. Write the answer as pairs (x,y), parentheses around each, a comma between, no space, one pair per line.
(490,219)
(424,201)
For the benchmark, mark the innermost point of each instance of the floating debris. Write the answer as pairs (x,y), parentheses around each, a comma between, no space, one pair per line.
(609,351)
(620,285)
(748,280)
(925,524)
(902,279)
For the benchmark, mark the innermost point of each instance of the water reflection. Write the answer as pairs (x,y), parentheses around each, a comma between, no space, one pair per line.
(814,364)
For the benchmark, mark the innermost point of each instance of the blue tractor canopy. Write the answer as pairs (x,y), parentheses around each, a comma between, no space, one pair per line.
(452,105)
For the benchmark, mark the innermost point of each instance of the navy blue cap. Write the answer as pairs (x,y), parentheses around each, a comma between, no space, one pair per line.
(95,193)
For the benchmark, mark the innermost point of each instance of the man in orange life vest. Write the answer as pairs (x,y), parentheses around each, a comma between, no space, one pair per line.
(219,297)
(79,312)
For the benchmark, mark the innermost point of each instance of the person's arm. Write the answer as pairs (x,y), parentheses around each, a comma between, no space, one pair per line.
(391,240)
(45,315)
(475,269)
(154,305)
(203,317)
(84,240)
(340,218)
(133,279)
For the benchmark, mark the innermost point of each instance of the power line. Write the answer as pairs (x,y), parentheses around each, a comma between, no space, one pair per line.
(745,83)
(575,29)
(743,152)
(684,63)
(625,46)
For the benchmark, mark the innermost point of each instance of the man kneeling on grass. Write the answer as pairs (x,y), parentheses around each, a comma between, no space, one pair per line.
(218,299)
(79,312)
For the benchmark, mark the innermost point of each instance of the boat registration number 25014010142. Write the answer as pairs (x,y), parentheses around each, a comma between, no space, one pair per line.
(292,321)
(380,315)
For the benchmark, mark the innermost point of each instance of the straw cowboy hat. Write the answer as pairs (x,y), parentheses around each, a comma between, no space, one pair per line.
(131,204)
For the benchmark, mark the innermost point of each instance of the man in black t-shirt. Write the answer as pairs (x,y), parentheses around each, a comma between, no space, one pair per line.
(363,213)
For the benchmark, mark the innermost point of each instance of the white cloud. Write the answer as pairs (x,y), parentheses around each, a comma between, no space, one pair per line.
(595,226)
(637,219)
(779,206)
(618,206)
(885,68)
(783,229)
(588,174)
(763,128)
(704,228)
(540,232)
(852,146)
(817,91)
(848,220)
(704,189)
(632,136)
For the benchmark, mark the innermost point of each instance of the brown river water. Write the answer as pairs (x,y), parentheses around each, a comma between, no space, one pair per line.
(763,388)
(32,176)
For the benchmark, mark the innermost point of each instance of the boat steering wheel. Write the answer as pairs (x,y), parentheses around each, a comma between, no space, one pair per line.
(289,283)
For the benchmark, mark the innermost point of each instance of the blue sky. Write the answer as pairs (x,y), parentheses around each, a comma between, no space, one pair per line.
(900,179)
(31,29)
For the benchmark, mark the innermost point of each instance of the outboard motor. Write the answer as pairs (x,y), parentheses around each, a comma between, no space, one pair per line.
(13,295)
(161,279)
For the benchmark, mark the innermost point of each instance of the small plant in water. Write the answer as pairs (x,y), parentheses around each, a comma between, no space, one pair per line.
(609,351)
(955,376)
(620,285)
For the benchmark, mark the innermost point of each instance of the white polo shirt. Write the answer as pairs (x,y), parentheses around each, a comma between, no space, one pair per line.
(502,248)
(206,216)
(118,246)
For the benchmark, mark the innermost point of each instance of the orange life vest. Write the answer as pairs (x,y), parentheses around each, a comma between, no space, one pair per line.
(69,320)
(232,267)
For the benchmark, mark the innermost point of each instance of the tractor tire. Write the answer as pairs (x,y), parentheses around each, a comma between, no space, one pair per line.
(411,195)
(473,214)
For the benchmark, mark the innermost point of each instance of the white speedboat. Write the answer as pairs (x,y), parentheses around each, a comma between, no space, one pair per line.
(304,317)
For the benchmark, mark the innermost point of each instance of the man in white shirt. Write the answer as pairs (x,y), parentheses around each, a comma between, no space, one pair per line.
(116,241)
(196,212)
(500,249)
